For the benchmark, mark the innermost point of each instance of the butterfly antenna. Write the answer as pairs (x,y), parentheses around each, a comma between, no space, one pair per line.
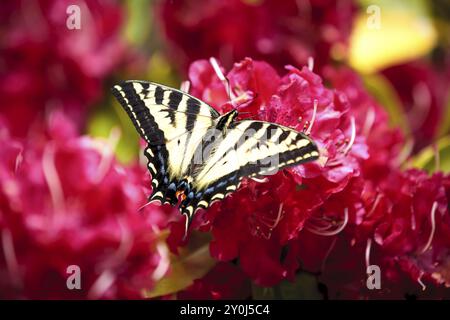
(353,136)
(222,77)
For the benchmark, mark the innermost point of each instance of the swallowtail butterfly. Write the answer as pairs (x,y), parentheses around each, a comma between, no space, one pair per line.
(199,156)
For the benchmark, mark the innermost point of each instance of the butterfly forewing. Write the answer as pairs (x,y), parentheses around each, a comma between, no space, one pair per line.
(166,119)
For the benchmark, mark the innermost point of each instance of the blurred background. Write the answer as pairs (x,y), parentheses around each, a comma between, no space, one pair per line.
(400,48)
(59,60)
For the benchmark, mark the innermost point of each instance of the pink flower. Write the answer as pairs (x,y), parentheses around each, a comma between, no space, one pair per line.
(65,201)
(47,66)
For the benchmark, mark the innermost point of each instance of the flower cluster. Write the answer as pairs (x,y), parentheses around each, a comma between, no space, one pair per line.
(67,205)
(66,202)
(352,208)
(45,65)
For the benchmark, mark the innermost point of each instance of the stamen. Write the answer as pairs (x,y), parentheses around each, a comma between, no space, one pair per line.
(271,224)
(332,233)
(185,86)
(19,160)
(413,218)
(324,228)
(10,257)
(107,151)
(352,138)
(368,248)
(260,180)
(144,206)
(222,77)
(310,63)
(267,235)
(125,246)
(308,131)
(164,262)
(419,280)
(336,162)
(375,204)
(405,152)
(433,227)
(327,254)
(101,285)
(186,227)
(52,178)
(277,220)
(370,119)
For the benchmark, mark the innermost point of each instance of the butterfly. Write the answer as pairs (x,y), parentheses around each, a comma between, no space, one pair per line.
(198,156)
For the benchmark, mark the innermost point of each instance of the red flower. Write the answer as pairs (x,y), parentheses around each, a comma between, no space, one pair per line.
(351,208)
(404,231)
(65,201)
(392,221)
(256,223)
(385,144)
(47,66)
(279,32)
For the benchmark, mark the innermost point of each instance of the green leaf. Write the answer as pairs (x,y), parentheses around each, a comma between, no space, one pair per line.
(445,124)
(161,70)
(108,116)
(192,263)
(426,159)
(139,22)
(304,287)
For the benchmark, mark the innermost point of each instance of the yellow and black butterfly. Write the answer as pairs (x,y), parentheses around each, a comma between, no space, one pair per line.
(198,155)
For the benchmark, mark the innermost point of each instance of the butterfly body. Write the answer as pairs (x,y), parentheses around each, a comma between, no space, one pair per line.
(197,156)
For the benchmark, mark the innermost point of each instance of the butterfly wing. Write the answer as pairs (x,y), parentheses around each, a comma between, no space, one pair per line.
(248,149)
(171,122)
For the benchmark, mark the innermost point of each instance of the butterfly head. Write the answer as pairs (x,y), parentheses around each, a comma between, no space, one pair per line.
(227,119)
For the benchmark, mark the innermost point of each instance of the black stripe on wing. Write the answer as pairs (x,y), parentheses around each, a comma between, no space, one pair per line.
(138,112)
